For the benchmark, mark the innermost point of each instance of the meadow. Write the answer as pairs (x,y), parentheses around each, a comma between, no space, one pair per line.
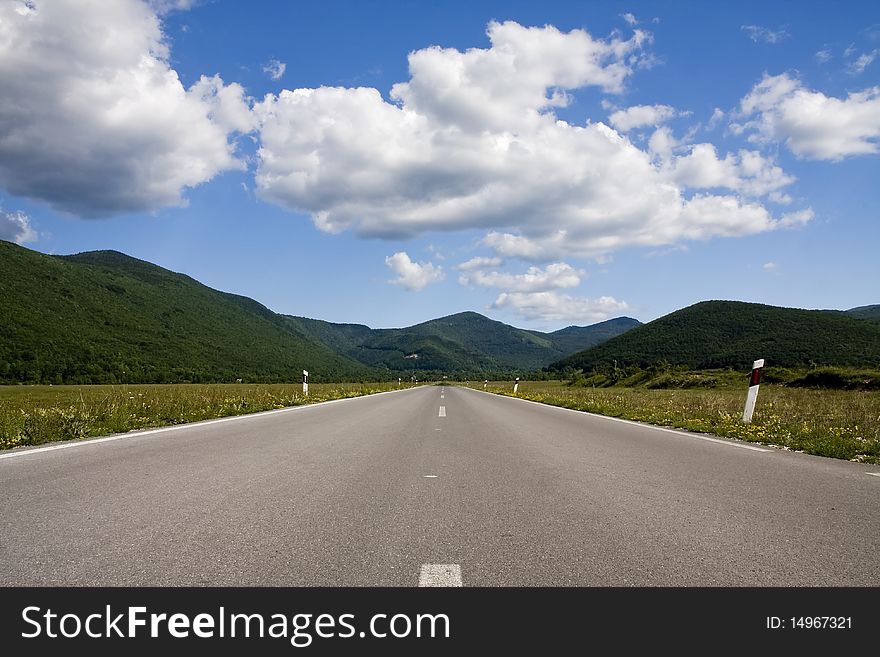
(33,415)
(843,424)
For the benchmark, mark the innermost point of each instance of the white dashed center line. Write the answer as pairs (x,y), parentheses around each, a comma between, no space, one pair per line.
(442,411)
(873,474)
(440,574)
(430,476)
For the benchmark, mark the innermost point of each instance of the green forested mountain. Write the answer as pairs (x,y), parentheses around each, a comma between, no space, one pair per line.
(465,342)
(339,337)
(865,312)
(484,344)
(395,350)
(103,317)
(734,334)
(575,338)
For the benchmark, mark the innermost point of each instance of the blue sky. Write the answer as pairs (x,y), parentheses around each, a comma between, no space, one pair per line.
(386,163)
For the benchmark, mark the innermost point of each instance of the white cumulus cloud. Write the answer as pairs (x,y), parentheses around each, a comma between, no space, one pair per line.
(533,295)
(224,104)
(553,306)
(16,227)
(747,172)
(553,276)
(413,276)
(93,119)
(472,141)
(640,116)
(811,124)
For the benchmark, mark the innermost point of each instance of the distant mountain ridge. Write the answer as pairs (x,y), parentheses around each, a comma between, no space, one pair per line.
(462,342)
(734,333)
(865,312)
(105,317)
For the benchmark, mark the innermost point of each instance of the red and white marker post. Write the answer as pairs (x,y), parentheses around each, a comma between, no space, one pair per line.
(305,383)
(754,384)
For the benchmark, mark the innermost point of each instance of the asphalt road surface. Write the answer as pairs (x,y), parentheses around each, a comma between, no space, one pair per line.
(433,486)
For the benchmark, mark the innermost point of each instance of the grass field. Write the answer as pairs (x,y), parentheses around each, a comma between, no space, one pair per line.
(32,415)
(843,424)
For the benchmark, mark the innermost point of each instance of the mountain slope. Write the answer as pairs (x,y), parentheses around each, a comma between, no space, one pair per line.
(106,317)
(494,342)
(396,350)
(576,338)
(734,334)
(464,342)
(865,312)
(341,338)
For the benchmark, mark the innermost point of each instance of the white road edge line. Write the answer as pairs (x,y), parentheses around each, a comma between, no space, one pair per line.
(440,574)
(720,441)
(190,425)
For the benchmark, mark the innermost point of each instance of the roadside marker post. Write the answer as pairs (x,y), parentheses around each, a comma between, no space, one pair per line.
(754,384)
(484,383)
(305,383)
(516,385)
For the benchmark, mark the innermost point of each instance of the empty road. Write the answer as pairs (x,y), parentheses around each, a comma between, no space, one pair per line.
(433,486)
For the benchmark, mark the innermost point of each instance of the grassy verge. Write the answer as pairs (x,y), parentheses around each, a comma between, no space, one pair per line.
(32,415)
(843,424)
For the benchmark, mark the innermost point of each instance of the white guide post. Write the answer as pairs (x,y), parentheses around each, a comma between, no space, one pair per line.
(516,384)
(754,384)
(305,383)
(398,382)
(484,383)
